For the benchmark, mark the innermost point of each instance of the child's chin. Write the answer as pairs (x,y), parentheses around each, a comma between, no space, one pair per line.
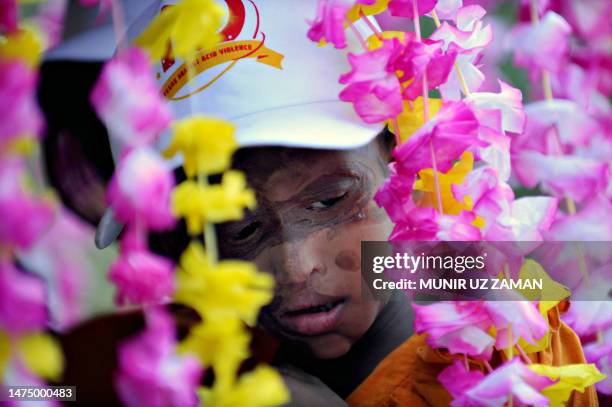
(329,346)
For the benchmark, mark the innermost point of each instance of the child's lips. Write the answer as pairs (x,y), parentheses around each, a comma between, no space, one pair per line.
(314,320)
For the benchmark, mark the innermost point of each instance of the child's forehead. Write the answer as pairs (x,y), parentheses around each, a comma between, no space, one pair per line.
(265,160)
(279,172)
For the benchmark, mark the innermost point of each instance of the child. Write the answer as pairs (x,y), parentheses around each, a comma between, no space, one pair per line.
(315,168)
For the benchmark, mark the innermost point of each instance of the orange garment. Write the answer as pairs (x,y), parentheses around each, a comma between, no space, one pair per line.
(408,376)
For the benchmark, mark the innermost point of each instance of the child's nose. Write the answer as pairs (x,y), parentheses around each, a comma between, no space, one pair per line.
(296,262)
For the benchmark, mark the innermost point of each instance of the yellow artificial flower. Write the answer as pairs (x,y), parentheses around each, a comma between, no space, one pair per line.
(212,203)
(262,387)
(187,26)
(378,7)
(26,44)
(454,176)
(23,145)
(374,42)
(550,295)
(42,354)
(355,12)
(412,117)
(552,291)
(570,377)
(220,343)
(5,353)
(207,144)
(230,288)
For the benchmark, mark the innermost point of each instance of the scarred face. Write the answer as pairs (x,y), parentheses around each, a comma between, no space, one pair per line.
(314,208)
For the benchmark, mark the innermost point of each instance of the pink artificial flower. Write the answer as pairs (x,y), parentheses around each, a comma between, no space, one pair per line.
(521,319)
(141,276)
(593,56)
(50,19)
(506,219)
(497,153)
(589,312)
(600,353)
(597,350)
(459,326)
(22,300)
(417,224)
(104,5)
(458,228)
(151,373)
(586,225)
(525,220)
(470,16)
(395,195)
(541,46)
(541,5)
(372,85)
(331,20)
(463,326)
(127,99)
(508,101)
(451,132)
(512,378)
(573,176)
(405,8)
(586,82)
(23,217)
(447,9)
(469,39)
(411,222)
(588,317)
(490,197)
(64,255)
(9,15)
(589,19)
(18,107)
(457,379)
(140,190)
(425,59)
(554,127)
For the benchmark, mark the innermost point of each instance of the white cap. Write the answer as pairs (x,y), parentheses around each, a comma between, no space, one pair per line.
(278,87)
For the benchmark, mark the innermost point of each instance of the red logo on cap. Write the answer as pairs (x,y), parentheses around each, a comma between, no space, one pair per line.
(232,29)
(228,50)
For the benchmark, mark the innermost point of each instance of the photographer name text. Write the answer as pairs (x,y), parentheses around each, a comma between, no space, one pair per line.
(459,284)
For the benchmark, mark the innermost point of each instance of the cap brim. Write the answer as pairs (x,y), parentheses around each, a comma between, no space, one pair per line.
(108,229)
(330,125)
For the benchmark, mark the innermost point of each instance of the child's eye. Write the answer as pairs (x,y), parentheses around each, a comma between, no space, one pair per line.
(326,203)
(247,231)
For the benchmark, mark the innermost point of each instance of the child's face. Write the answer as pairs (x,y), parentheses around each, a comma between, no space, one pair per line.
(314,208)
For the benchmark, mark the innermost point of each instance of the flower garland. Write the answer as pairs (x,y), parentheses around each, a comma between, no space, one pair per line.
(227,294)
(27,211)
(459,152)
(452,166)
